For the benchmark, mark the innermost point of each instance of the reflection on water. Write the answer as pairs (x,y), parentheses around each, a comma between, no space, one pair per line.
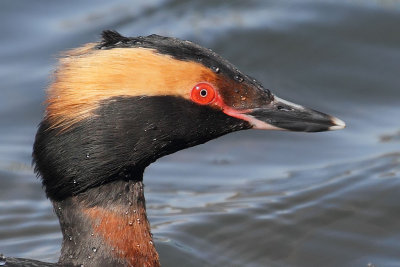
(251,198)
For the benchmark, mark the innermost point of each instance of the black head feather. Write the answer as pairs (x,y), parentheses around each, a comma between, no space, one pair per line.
(110,38)
(179,49)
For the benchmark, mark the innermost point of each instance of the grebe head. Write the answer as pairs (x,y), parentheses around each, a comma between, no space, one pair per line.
(116,106)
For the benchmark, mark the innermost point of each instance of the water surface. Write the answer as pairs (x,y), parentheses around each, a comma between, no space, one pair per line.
(251,198)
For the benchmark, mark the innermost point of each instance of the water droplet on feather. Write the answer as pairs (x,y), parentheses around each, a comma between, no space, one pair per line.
(238,78)
(215,69)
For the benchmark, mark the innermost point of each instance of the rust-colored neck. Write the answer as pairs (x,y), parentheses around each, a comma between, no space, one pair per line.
(107,226)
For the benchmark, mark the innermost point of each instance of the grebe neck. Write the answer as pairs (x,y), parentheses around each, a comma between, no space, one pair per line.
(106,226)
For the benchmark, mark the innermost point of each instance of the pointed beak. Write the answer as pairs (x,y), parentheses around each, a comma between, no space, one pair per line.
(280,114)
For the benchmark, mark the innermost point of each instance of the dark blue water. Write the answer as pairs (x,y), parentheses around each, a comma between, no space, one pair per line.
(252,198)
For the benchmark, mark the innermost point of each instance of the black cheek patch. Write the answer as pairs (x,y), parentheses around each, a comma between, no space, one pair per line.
(124,136)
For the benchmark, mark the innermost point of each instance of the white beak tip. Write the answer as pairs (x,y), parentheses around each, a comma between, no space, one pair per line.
(339,124)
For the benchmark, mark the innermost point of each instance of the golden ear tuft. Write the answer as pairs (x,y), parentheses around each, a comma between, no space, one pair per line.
(86,76)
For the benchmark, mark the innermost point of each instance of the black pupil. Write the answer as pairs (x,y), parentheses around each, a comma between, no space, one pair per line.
(203,92)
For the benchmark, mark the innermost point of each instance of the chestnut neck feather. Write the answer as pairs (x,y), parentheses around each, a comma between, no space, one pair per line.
(106,226)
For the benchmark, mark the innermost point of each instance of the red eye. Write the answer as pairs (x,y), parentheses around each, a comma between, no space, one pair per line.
(203,93)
